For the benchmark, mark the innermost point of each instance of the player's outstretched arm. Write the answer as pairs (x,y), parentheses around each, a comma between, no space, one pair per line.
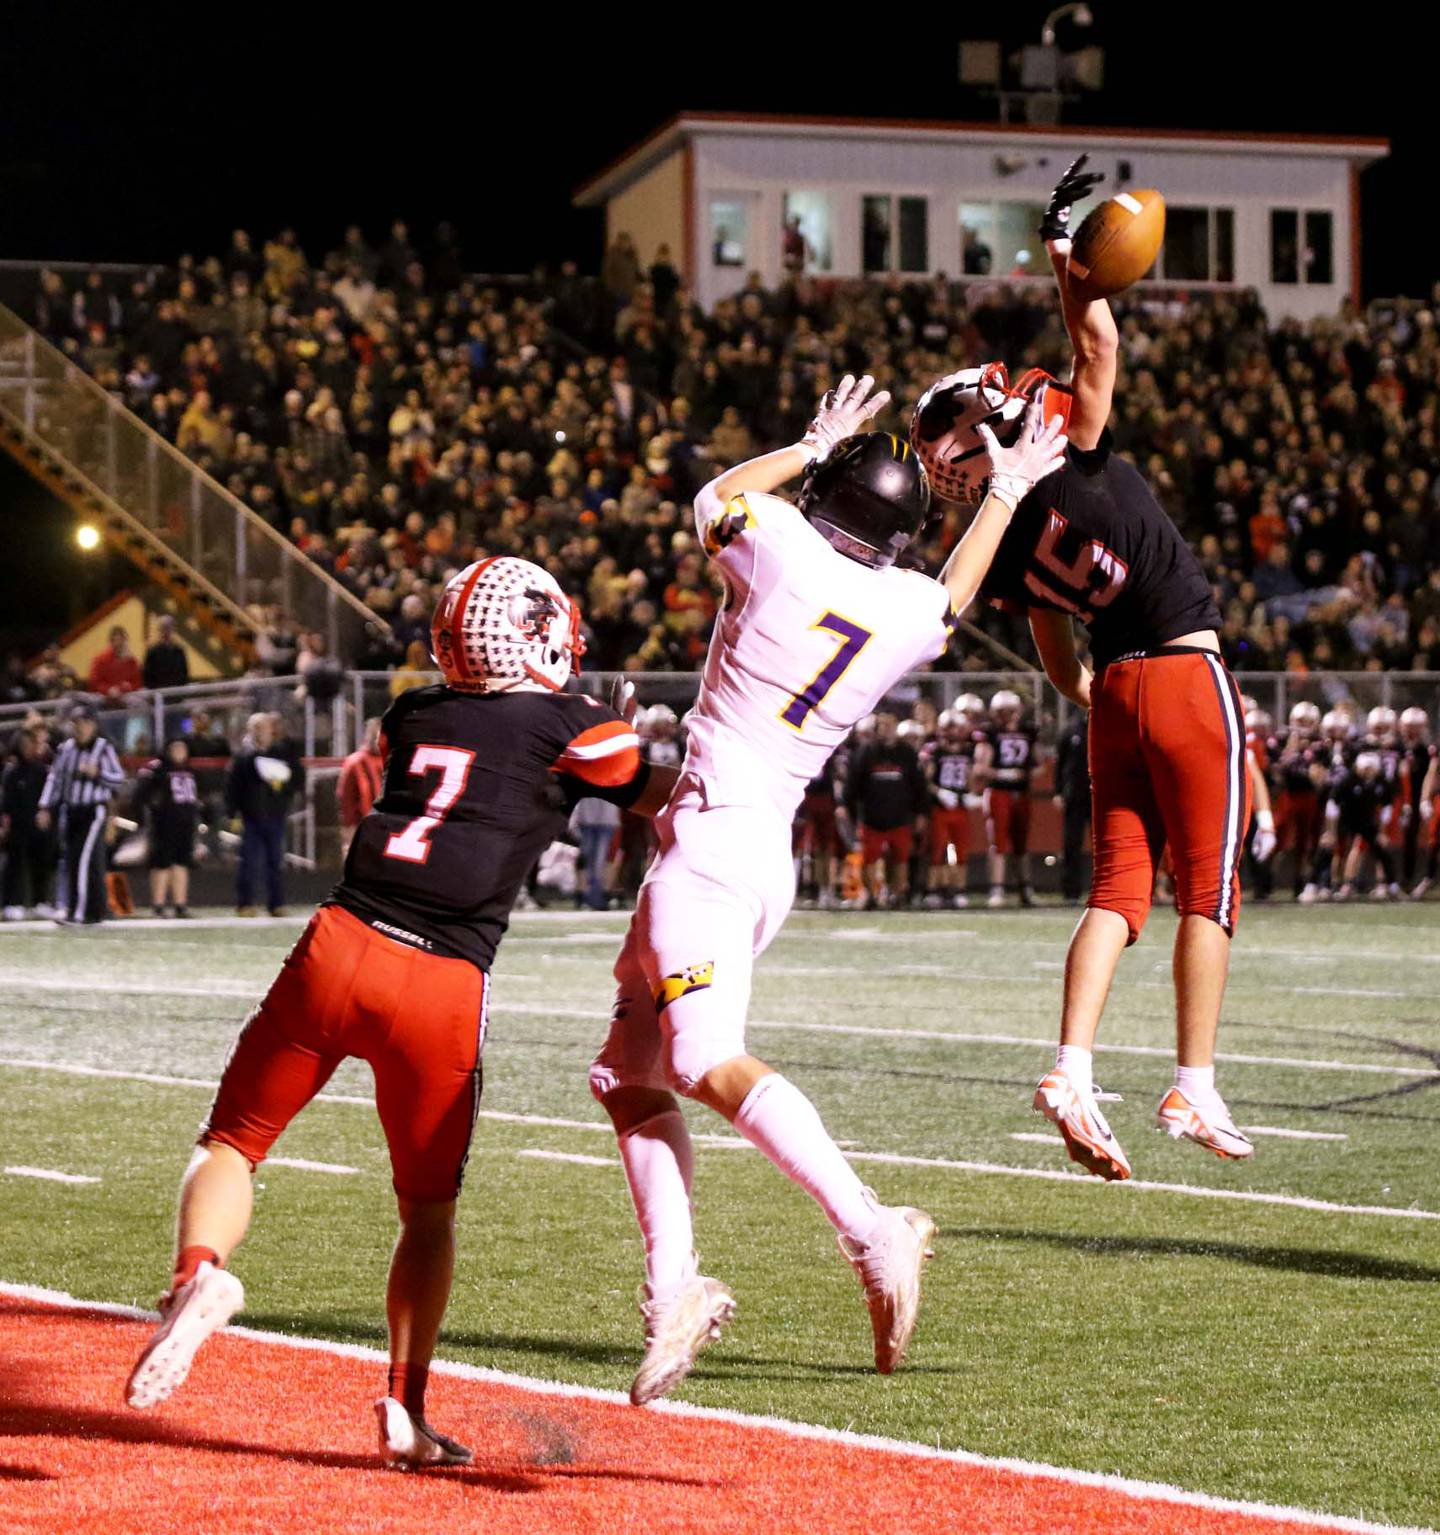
(1038,451)
(846,409)
(1054,634)
(1091,326)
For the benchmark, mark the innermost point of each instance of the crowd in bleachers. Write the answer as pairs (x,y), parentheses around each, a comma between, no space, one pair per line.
(395,417)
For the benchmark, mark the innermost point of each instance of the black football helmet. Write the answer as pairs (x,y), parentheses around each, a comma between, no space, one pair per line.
(868,497)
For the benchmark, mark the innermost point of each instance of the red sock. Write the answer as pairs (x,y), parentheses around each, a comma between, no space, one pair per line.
(190,1259)
(407,1386)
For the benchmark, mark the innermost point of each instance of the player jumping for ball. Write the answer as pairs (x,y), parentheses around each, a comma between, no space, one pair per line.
(1167,738)
(818,624)
(481,773)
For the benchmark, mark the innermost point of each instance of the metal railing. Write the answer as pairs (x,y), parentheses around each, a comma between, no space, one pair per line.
(72,419)
(329,721)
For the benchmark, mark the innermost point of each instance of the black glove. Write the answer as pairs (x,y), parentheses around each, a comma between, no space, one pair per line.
(1076,184)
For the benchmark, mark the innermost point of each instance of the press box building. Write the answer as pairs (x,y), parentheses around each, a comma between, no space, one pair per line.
(732,194)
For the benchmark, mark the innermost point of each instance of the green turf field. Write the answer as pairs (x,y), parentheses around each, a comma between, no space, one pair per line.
(1272,1348)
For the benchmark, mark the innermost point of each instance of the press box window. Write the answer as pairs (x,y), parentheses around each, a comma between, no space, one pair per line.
(729,233)
(881,218)
(1199,245)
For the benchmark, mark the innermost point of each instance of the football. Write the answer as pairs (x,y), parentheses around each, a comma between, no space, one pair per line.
(1117,244)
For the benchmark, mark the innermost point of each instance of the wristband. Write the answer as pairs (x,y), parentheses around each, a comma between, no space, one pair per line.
(1009,488)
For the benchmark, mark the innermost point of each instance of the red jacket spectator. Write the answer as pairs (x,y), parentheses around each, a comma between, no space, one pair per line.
(362,776)
(115,671)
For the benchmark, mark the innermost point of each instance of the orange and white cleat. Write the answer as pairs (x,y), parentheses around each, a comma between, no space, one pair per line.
(1088,1138)
(1211,1127)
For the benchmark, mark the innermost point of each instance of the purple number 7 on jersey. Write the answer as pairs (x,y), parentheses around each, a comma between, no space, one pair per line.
(853,639)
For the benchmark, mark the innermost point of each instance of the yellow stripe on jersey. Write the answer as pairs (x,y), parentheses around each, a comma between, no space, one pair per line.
(729,525)
(683,982)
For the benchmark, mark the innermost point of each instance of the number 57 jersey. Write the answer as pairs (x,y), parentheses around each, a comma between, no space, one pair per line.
(808,642)
(476,787)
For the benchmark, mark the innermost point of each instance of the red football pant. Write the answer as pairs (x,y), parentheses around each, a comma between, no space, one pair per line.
(949,828)
(1007,819)
(418,1019)
(1167,765)
(818,831)
(1300,818)
(895,846)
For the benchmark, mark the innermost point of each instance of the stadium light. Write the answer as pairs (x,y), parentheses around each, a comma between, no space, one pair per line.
(1082,15)
(87,537)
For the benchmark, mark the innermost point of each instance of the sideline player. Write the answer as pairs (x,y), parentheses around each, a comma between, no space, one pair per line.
(950,766)
(817,625)
(1007,794)
(481,774)
(1167,740)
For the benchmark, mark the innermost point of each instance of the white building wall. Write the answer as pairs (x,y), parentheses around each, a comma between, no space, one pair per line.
(764,166)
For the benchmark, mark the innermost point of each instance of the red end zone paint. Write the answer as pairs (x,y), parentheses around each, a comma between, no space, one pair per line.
(275,1439)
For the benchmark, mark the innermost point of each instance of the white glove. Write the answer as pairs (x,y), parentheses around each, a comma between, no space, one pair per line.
(622,699)
(1263,844)
(845,410)
(1039,450)
(949,799)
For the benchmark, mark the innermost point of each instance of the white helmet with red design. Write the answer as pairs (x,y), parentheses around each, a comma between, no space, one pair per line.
(1305,716)
(1414,725)
(972,706)
(1380,722)
(1258,721)
(1006,708)
(942,430)
(504,624)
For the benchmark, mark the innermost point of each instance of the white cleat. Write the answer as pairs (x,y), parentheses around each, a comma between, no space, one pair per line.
(677,1327)
(1086,1132)
(997,899)
(1211,1127)
(197,1309)
(889,1266)
(1421,890)
(407,1441)
(1309,895)
(960,903)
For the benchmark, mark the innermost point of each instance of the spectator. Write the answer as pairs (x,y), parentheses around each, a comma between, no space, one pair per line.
(115,671)
(264,779)
(361,780)
(166,665)
(620,271)
(596,825)
(29,848)
(169,795)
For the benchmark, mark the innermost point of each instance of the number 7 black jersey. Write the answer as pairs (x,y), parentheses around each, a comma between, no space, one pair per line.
(1091,540)
(476,787)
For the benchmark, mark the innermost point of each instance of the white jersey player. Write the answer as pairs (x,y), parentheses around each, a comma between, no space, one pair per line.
(817,625)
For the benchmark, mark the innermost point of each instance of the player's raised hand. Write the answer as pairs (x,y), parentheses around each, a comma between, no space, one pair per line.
(623,700)
(846,409)
(1074,186)
(1038,451)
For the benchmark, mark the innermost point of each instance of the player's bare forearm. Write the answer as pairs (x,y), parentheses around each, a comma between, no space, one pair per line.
(764,474)
(1259,789)
(1096,342)
(657,791)
(1054,635)
(972,556)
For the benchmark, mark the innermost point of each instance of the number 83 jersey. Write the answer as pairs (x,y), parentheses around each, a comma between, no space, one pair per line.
(476,787)
(807,643)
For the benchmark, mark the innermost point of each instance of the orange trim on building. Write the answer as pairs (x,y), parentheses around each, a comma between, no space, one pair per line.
(688,265)
(1355,234)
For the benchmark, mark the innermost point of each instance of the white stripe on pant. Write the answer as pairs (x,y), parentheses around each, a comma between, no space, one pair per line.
(82,874)
(1235,770)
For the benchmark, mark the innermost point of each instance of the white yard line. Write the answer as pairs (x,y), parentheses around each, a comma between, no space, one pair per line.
(943,1164)
(1035,1138)
(558,1010)
(567,1156)
(1294,1135)
(306,1166)
(49,1174)
(1126,1487)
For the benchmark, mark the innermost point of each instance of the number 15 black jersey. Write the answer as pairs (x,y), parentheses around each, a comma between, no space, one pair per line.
(1092,540)
(476,787)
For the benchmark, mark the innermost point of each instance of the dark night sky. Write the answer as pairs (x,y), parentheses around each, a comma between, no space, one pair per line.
(133,133)
(133,141)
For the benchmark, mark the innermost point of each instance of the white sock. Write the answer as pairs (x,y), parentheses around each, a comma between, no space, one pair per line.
(781,1121)
(659,1164)
(1197,1083)
(1077,1063)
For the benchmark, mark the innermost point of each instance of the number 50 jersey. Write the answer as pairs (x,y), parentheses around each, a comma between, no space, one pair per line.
(1093,541)
(476,787)
(808,642)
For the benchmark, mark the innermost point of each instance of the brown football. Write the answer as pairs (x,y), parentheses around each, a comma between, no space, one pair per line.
(1117,244)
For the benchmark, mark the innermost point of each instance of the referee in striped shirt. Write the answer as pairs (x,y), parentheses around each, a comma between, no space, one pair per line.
(82,781)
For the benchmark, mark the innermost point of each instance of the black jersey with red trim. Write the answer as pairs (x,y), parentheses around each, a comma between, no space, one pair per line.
(1013,757)
(1298,760)
(1415,761)
(952,767)
(476,787)
(1091,540)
